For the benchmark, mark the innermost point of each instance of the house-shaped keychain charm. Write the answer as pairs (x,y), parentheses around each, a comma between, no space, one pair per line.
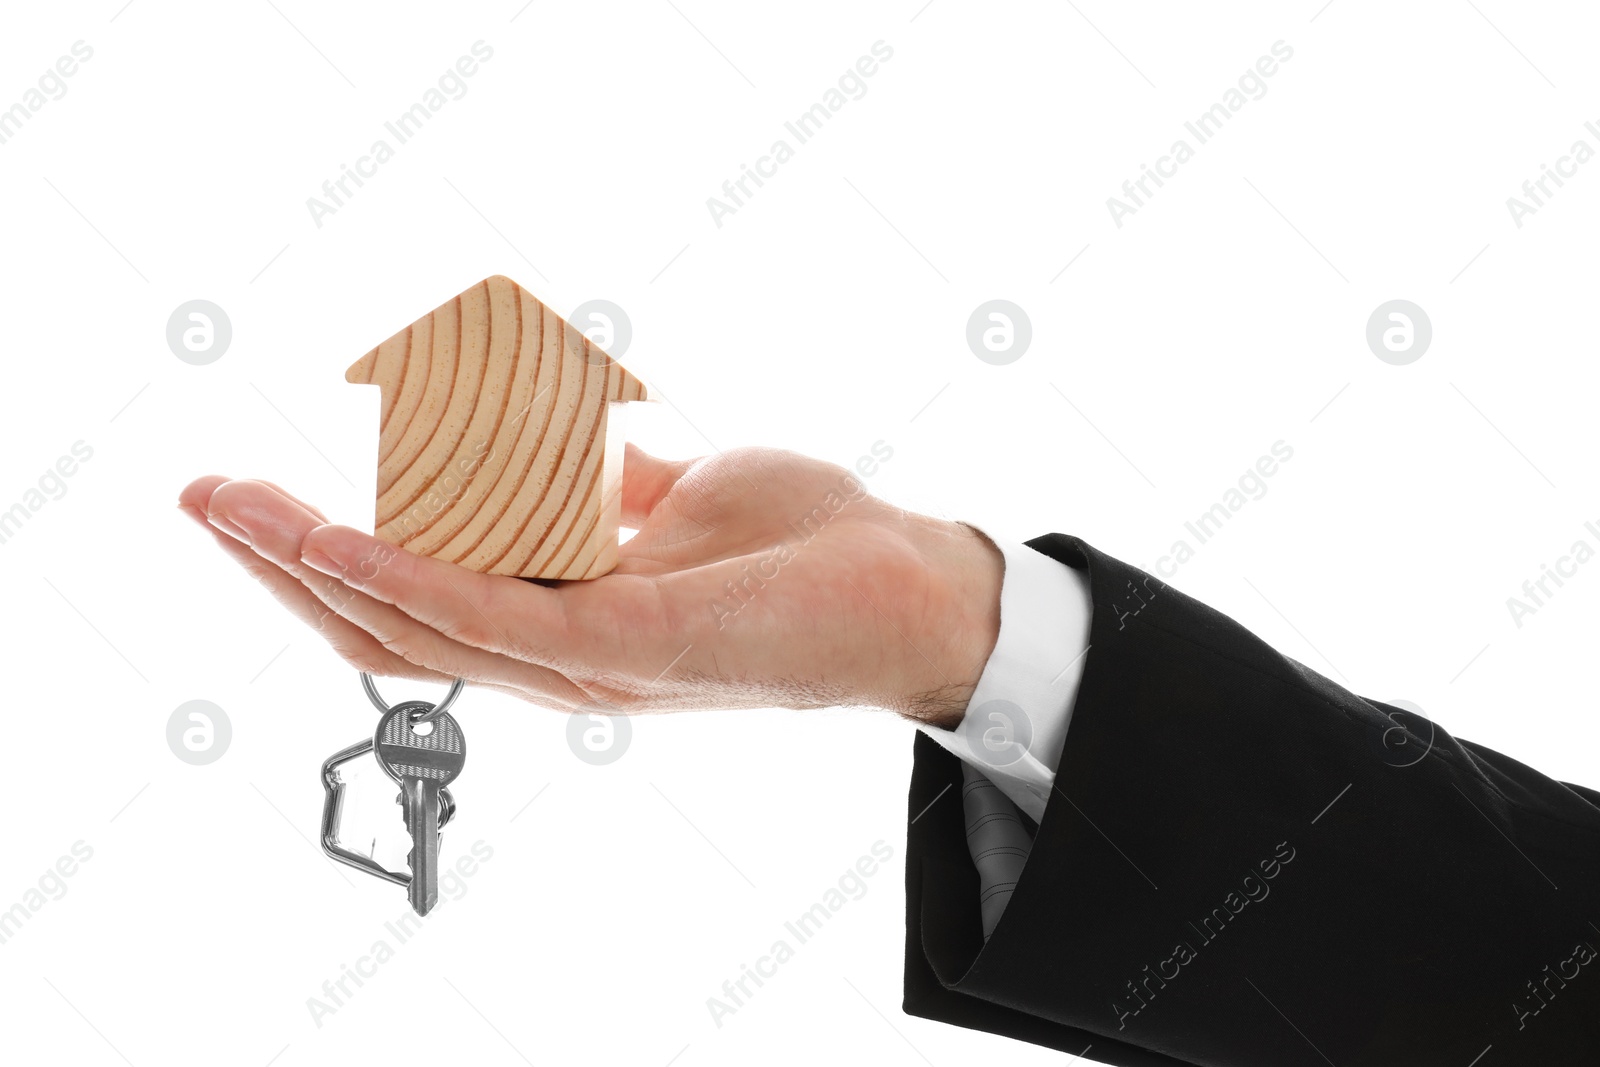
(494,450)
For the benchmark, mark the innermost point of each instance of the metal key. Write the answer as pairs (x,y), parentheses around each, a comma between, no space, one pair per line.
(423,763)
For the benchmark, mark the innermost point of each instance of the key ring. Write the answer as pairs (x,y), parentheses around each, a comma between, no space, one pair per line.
(438,709)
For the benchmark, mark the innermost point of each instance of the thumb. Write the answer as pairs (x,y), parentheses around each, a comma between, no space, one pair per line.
(645,480)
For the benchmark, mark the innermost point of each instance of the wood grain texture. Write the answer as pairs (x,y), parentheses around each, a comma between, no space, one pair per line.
(494,451)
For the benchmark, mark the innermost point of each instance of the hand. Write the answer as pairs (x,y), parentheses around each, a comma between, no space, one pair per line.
(757,578)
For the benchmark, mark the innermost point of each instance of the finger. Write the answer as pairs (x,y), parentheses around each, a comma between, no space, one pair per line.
(281,491)
(276,526)
(490,612)
(197,494)
(196,500)
(350,642)
(353,644)
(645,480)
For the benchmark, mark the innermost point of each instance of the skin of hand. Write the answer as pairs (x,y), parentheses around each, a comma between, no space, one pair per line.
(757,578)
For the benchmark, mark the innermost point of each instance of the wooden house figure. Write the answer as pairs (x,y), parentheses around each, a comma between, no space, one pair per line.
(494,450)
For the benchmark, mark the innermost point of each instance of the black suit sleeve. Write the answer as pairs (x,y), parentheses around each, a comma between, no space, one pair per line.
(1245,864)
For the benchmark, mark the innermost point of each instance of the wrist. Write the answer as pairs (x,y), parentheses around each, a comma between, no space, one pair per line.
(960,622)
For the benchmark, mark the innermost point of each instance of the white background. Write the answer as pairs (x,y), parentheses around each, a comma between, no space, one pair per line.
(828,313)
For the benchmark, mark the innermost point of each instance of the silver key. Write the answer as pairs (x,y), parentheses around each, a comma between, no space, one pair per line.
(423,763)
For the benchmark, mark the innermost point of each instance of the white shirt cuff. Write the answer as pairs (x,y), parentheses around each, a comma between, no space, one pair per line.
(1016,723)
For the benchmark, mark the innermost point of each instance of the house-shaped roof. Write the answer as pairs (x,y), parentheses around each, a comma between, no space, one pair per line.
(493,450)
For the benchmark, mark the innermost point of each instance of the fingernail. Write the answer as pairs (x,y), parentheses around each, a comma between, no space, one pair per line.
(318,561)
(194,513)
(230,528)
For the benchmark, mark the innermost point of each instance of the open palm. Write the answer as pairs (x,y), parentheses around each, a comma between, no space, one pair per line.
(757,578)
